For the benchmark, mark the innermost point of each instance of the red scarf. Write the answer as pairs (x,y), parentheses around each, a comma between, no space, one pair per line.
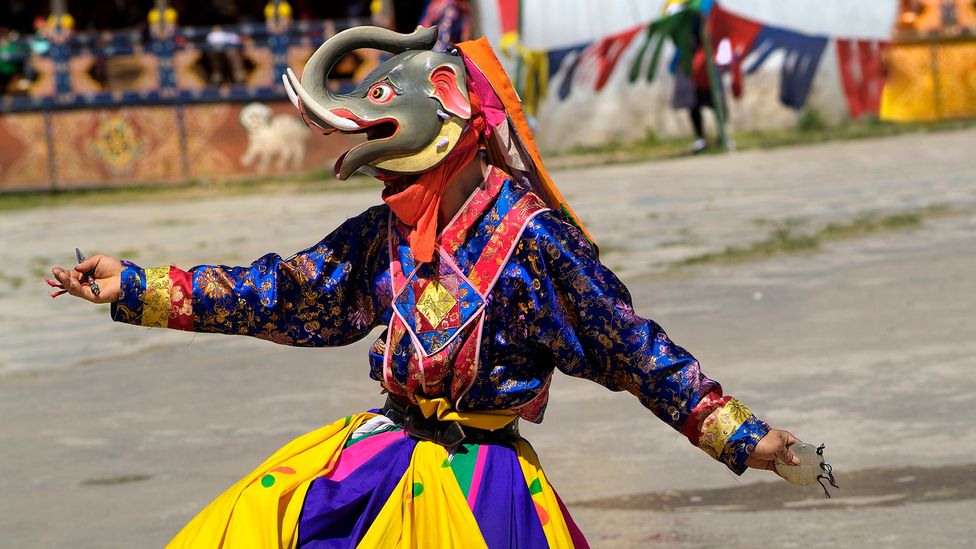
(418,204)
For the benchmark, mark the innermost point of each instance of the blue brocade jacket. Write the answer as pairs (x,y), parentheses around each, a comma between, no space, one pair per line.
(514,293)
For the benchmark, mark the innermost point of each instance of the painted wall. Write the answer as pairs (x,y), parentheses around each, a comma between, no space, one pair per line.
(146,145)
(623,112)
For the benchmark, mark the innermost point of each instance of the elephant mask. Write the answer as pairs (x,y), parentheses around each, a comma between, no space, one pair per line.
(413,108)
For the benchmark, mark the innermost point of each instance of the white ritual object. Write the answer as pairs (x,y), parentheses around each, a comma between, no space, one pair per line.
(811,470)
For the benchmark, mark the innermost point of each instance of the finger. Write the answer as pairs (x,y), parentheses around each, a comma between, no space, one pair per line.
(60,273)
(84,291)
(785,454)
(88,265)
(64,275)
(71,280)
(790,439)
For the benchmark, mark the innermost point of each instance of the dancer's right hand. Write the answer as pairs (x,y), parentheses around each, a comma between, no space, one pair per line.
(108,275)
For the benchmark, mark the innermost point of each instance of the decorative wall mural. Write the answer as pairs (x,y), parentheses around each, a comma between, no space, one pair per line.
(112,146)
(117,143)
(24,160)
(213,140)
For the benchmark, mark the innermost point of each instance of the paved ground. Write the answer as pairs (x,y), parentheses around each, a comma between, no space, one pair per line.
(113,436)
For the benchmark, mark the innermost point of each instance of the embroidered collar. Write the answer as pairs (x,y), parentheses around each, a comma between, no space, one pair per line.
(457,230)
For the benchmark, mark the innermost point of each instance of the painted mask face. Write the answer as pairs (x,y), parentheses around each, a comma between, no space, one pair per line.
(412,108)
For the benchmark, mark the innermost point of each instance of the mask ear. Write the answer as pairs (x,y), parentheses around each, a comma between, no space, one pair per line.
(450,91)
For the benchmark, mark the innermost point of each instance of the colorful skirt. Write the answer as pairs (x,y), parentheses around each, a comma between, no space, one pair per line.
(363,482)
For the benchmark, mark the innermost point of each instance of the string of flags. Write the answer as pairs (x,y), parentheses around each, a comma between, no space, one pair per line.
(590,65)
(862,74)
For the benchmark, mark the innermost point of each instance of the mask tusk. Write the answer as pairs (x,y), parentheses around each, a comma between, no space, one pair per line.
(337,122)
(292,96)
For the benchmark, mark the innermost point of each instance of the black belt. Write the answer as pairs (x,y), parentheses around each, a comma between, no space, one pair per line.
(446,433)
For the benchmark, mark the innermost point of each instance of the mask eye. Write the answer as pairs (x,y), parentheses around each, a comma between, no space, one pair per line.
(380,93)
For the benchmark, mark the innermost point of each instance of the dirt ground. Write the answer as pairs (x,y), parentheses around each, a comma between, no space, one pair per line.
(114,436)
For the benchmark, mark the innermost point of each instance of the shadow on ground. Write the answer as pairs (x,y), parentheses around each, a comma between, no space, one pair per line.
(859,489)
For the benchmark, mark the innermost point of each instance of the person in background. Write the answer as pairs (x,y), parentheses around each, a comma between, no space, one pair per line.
(12,63)
(452,19)
(694,91)
(224,56)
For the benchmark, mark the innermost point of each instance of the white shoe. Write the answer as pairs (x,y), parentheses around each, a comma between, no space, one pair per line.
(698,146)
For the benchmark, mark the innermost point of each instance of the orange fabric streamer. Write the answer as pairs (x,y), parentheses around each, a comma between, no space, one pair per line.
(480,53)
(418,205)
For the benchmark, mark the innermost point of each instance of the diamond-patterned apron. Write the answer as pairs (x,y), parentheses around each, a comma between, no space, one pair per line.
(438,311)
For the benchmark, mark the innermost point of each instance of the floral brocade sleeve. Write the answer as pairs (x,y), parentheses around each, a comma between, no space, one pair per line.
(588,324)
(321,296)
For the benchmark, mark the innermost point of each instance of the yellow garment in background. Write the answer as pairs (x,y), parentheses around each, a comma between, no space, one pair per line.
(925,87)
(957,79)
(535,78)
(533,71)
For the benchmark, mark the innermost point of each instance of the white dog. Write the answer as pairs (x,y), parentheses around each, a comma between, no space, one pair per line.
(282,136)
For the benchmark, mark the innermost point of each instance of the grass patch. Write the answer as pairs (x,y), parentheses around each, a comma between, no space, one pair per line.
(810,128)
(785,237)
(685,237)
(40,267)
(13,281)
(869,224)
(811,121)
(782,240)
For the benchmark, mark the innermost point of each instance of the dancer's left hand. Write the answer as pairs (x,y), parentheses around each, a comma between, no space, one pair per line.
(776,444)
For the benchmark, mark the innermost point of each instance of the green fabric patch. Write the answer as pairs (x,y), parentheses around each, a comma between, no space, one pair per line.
(535,487)
(463,465)
(418,489)
(267,481)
